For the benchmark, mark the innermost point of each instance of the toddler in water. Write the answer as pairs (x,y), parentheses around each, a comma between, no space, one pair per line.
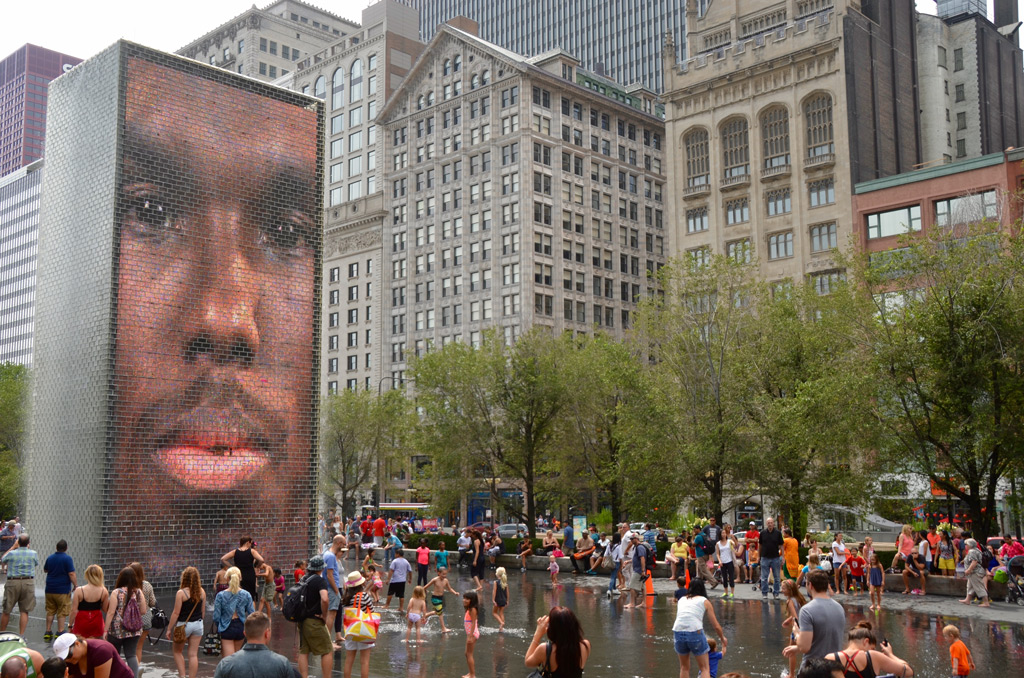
(416,612)
(959,655)
(472,606)
(377,583)
(876,580)
(279,587)
(553,568)
(714,657)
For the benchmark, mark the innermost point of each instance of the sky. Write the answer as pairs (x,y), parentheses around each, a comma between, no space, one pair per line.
(82,28)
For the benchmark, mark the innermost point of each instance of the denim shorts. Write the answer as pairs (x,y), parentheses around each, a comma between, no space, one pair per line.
(192,628)
(691,642)
(333,599)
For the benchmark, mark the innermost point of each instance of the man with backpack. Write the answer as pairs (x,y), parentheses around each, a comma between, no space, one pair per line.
(314,636)
(703,550)
(641,563)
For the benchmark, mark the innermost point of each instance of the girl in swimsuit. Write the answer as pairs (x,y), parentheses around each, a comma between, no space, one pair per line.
(860,659)
(471,603)
(499,597)
(417,610)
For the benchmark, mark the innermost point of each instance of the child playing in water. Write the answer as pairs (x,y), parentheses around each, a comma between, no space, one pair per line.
(856,564)
(278,587)
(499,597)
(377,584)
(714,657)
(416,612)
(794,601)
(553,569)
(876,581)
(267,589)
(959,655)
(471,604)
(438,586)
(299,572)
(441,557)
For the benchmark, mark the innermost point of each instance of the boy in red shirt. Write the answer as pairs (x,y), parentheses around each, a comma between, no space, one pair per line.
(856,564)
(959,655)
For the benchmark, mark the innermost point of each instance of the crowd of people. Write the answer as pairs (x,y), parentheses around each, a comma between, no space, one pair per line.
(100,632)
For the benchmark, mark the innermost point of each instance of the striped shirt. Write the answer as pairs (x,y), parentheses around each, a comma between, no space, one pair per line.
(21,562)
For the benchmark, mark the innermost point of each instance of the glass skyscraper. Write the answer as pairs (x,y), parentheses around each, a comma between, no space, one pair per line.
(620,39)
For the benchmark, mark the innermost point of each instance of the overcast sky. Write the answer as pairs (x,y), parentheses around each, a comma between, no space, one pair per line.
(84,27)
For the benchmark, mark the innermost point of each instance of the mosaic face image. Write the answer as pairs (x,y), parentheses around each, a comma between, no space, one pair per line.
(218,243)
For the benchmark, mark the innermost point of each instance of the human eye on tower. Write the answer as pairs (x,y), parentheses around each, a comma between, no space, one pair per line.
(151,211)
(286,232)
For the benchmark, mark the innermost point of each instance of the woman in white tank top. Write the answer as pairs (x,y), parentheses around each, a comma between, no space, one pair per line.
(726,551)
(688,629)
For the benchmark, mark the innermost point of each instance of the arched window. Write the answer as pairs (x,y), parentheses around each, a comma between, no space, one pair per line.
(735,148)
(818,116)
(355,81)
(338,89)
(430,98)
(457,63)
(775,137)
(474,82)
(320,88)
(486,77)
(697,160)
(419,103)
(447,70)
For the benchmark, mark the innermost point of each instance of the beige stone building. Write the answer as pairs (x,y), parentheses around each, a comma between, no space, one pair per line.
(266,43)
(355,75)
(755,129)
(520,193)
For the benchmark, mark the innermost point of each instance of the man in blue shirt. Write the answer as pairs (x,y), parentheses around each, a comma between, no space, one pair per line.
(702,550)
(256,659)
(61,580)
(568,539)
(333,558)
(641,562)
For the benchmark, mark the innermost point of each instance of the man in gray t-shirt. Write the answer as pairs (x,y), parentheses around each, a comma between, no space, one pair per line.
(397,576)
(821,622)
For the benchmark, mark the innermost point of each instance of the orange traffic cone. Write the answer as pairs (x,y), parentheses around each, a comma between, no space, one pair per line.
(687,577)
(649,584)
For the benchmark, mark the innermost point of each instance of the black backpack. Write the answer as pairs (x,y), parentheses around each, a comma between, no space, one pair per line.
(294,607)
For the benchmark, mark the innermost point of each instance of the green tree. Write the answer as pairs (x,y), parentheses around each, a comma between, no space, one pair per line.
(687,431)
(363,434)
(490,412)
(807,402)
(604,375)
(14,395)
(946,338)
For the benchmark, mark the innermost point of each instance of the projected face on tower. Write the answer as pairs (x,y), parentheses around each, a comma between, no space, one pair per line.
(214,422)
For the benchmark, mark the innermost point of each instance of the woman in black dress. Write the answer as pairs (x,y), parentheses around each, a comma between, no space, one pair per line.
(247,559)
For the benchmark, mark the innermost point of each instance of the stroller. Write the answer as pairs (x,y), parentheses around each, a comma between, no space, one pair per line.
(1015,581)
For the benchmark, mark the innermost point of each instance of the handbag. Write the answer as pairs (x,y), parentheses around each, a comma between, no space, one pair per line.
(178,635)
(361,625)
(158,623)
(543,671)
(211,643)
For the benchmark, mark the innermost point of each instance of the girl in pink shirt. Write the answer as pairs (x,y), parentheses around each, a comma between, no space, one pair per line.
(422,563)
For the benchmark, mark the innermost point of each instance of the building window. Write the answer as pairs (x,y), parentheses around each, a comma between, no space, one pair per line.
(824,283)
(958,59)
(697,220)
(780,245)
(736,148)
(355,81)
(737,211)
(961,148)
(961,121)
(697,161)
(320,88)
(823,237)
(822,192)
(739,251)
(942,57)
(699,257)
(775,137)
(894,222)
(779,202)
(818,114)
(966,209)
(960,93)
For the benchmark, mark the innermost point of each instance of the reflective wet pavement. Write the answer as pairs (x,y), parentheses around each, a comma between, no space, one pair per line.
(639,643)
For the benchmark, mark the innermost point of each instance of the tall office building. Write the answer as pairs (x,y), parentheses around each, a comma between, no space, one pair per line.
(781,112)
(19,238)
(355,76)
(948,8)
(520,193)
(620,39)
(266,43)
(24,77)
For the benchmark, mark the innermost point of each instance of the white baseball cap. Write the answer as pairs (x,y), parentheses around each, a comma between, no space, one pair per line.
(62,646)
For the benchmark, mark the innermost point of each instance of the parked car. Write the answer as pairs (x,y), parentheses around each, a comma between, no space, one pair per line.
(509,530)
(481,525)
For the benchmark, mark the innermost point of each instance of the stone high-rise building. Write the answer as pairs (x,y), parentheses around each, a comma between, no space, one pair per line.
(19,244)
(267,42)
(519,193)
(781,109)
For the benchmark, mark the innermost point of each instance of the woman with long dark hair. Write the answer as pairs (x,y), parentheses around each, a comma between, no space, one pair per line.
(688,629)
(566,652)
(126,640)
(476,567)
(247,559)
